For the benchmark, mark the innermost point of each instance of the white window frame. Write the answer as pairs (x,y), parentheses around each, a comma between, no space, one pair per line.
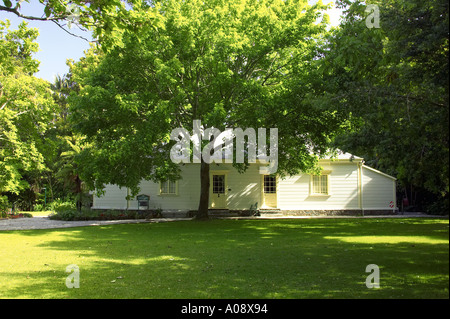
(161,193)
(313,187)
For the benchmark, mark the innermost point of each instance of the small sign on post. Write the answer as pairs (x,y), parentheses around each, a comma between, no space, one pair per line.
(143,201)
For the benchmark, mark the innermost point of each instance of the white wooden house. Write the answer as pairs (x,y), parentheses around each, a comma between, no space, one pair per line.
(346,186)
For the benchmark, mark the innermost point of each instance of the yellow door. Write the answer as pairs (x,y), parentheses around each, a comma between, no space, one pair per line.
(269,191)
(217,191)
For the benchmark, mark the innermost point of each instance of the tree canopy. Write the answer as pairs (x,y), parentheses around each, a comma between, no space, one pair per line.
(377,88)
(394,81)
(26,107)
(240,63)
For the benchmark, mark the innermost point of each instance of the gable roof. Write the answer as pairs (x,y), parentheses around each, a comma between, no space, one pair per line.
(379,172)
(343,156)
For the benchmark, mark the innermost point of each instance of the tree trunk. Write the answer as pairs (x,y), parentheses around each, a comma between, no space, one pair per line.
(78,192)
(204,192)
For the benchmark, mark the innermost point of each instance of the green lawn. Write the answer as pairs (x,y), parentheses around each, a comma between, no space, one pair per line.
(302,258)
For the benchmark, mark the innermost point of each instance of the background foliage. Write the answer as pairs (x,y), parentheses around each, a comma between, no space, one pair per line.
(380,93)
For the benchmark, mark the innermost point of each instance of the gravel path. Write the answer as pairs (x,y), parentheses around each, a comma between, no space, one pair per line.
(46,223)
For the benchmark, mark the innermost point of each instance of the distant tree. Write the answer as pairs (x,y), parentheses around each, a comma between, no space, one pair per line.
(68,170)
(26,107)
(61,174)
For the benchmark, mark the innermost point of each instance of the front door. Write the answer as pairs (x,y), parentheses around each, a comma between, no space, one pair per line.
(269,191)
(217,191)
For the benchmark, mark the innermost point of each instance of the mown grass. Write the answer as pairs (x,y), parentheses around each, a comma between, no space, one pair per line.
(44,213)
(302,258)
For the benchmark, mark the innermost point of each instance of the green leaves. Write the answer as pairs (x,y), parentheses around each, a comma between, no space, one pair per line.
(47,11)
(395,79)
(26,108)
(228,63)
(7,3)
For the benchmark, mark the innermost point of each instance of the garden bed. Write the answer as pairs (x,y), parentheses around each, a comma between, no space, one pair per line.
(91,214)
(10,215)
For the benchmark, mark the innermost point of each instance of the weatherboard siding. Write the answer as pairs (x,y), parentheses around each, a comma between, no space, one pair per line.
(378,190)
(294,192)
(375,191)
(244,189)
(187,195)
(113,198)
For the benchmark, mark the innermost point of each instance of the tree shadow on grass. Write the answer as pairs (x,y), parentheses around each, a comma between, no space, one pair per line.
(308,258)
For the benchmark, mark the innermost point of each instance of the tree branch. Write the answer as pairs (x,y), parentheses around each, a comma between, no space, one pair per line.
(53,19)
(20,15)
(72,34)
(4,104)
(20,113)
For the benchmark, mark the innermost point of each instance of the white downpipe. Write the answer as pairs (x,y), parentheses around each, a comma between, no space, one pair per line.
(362,188)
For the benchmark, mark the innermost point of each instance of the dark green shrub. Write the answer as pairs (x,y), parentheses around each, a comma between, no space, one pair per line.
(88,214)
(59,205)
(4,206)
(439,207)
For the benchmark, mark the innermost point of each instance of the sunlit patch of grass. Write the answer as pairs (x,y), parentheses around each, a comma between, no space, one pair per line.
(39,214)
(388,239)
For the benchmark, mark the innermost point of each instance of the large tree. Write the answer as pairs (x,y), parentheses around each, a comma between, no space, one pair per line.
(26,108)
(394,80)
(240,63)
